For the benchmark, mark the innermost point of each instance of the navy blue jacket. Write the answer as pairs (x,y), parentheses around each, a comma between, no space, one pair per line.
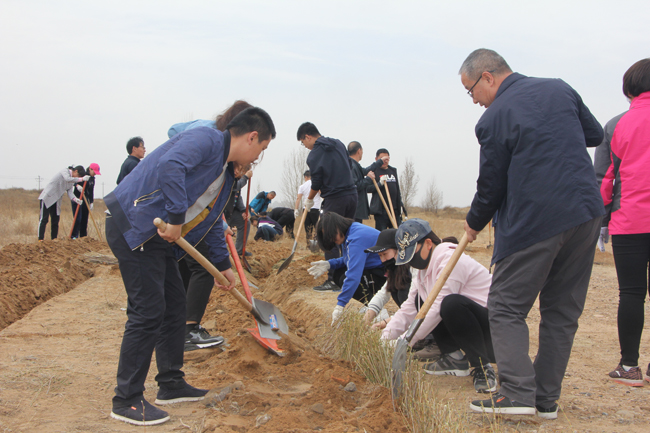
(363,184)
(127,167)
(534,165)
(330,169)
(169,181)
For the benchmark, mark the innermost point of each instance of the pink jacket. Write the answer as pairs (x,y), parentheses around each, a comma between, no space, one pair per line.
(629,195)
(469,278)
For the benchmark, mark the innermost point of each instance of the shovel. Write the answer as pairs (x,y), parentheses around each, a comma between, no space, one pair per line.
(390,202)
(381,196)
(399,358)
(295,243)
(74,220)
(260,310)
(93,219)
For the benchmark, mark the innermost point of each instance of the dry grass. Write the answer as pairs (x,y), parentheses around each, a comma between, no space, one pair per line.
(20,215)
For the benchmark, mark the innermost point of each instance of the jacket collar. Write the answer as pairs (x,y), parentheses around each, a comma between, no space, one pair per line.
(643,100)
(509,81)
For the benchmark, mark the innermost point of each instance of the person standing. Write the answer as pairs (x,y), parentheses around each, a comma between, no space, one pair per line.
(136,150)
(536,171)
(52,194)
(311,219)
(626,194)
(80,229)
(363,178)
(331,175)
(387,176)
(186,181)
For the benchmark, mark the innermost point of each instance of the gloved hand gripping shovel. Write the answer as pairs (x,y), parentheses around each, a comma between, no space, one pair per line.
(260,310)
(399,357)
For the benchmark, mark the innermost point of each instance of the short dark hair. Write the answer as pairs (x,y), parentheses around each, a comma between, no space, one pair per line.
(353,147)
(252,119)
(272,192)
(224,118)
(133,142)
(636,80)
(382,150)
(329,225)
(307,173)
(79,168)
(307,128)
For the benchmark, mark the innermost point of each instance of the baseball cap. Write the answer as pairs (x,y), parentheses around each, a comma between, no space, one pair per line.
(95,167)
(407,236)
(385,240)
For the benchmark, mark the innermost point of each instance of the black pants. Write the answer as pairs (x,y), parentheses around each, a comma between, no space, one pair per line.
(287,220)
(372,280)
(45,214)
(631,255)
(310,223)
(465,325)
(155,315)
(345,206)
(382,222)
(198,284)
(267,233)
(80,229)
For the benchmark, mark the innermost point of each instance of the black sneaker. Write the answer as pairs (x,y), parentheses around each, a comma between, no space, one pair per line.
(140,413)
(327,286)
(501,404)
(550,413)
(447,365)
(200,338)
(485,379)
(187,393)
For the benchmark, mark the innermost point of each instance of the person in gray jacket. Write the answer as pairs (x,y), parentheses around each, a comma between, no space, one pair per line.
(362,178)
(52,195)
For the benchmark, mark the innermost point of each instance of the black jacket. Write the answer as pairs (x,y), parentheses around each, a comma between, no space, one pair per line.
(89,192)
(363,185)
(330,169)
(127,167)
(376,206)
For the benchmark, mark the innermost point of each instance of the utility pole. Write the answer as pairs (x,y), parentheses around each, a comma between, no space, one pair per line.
(103,192)
(39,181)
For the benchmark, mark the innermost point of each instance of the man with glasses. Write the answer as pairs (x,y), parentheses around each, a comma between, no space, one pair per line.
(536,172)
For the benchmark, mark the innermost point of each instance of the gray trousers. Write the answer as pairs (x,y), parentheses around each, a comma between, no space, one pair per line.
(237,220)
(558,270)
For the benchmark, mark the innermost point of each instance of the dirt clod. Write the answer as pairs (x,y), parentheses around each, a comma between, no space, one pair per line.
(350,387)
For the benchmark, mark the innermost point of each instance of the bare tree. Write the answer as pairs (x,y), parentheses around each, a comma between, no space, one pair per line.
(432,198)
(293,168)
(408,182)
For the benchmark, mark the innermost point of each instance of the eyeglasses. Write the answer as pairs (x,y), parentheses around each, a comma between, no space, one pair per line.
(469,92)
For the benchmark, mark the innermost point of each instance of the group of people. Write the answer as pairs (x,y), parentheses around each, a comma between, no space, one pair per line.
(536,180)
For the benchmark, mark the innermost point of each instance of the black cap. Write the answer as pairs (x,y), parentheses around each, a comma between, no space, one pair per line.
(385,240)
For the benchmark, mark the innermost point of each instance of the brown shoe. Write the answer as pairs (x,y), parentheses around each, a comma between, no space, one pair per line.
(632,377)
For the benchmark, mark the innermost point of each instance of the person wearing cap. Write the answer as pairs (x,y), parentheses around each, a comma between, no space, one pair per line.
(80,228)
(458,318)
(359,274)
(51,196)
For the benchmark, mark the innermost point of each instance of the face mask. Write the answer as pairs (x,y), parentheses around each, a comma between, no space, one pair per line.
(389,264)
(418,262)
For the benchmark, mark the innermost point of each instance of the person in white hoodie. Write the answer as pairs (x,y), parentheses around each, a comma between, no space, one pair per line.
(458,318)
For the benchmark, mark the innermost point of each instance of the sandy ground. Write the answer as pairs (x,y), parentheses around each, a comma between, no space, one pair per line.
(58,363)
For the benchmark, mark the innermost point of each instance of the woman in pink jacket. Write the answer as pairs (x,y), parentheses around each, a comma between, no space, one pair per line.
(458,318)
(626,194)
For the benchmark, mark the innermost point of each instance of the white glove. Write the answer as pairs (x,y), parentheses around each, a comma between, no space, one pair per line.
(77,200)
(382,179)
(319,268)
(91,206)
(336,314)
(80,188)
(603,238)
(86,178)
(309,203)
(296,213)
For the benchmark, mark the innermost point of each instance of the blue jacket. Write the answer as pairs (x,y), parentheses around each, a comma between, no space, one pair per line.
(534,165)
(168,182)
(358,238)
(260,203)
(330,170)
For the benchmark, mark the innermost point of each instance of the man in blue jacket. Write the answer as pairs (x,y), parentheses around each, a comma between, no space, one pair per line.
(535,170)
(186,182)
(261,202)
(331,175)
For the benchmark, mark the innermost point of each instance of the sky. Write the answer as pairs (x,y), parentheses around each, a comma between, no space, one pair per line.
(79,78)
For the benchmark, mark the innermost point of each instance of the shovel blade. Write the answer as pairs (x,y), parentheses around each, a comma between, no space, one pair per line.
(398,368)
(266,310)
(286,263)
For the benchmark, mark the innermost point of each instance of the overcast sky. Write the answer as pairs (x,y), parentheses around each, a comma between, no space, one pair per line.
(79,78)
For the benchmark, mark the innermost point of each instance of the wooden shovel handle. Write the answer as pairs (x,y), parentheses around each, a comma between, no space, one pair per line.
(189,249)
(442,278)
(381,196)
(390,203)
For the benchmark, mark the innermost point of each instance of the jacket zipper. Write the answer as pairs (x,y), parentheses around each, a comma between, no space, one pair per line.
(144,198)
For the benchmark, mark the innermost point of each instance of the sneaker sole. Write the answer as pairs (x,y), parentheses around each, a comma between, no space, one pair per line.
(628,382)
(503,410)
(647,378)
(178,400)
(136,422)
(547,415)
(487,390)
(459,373)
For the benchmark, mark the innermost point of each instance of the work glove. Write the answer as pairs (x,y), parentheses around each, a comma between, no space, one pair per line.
(80,188)
(603,238)
(86,178)
(382,179)
(309,203)
(91,206)
(319,268)
(296,213)
(77,200)
(336,314)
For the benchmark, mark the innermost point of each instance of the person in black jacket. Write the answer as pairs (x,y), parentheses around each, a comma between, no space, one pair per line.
(285,217)
(136,150)
(331,175)
(386,175)
(80,228)
(362,178)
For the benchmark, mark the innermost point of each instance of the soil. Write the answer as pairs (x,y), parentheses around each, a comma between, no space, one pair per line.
(63,312)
